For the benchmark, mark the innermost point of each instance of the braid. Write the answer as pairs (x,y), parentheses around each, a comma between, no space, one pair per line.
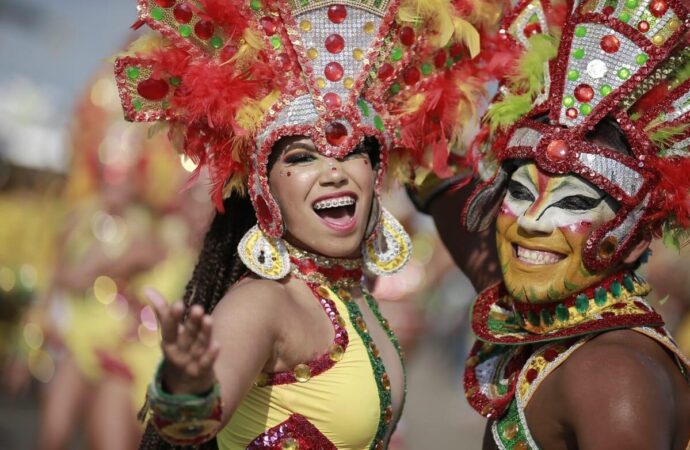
(218,267)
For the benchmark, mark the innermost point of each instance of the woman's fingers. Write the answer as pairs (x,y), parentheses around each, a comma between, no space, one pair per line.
(166,315)
(191,329)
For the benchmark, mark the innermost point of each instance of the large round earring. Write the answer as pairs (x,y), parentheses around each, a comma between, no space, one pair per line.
(265,256)
(389,248)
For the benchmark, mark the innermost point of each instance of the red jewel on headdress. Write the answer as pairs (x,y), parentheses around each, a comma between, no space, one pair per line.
(153,89)
(571,113)
(643,26)
(658,7)
(411,76)
(183,13)
(332,100)
(584,93)
(385,72)
(269,25)
(335,133)
(557,150)
(335,43)
(337,13)
(204,29)
(407,36)
(610,43)
(165,3)
(333,71)
(531,29)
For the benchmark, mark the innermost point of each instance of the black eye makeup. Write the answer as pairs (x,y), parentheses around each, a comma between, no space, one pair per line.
(519,192)
(578,202)
(299,157)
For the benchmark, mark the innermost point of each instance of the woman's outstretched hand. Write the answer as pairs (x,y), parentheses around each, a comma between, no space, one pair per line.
(187,345)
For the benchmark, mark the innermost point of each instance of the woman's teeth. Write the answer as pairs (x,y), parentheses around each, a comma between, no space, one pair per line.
(334,202)
(537,257)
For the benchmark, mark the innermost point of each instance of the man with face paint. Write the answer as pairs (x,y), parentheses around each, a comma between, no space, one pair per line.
(587,141)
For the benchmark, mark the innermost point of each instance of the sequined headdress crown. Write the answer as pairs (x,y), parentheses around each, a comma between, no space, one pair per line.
(233,77)
(625,59)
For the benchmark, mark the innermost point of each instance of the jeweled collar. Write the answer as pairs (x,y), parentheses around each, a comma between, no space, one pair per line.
(616,302)
(335,272)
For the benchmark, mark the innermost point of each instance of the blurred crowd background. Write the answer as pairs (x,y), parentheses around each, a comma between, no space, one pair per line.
(92,209)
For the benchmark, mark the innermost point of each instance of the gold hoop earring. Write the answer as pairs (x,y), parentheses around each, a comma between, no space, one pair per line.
(265,256)
(389,248)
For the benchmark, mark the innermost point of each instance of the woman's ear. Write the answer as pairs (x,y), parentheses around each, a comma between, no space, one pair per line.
(637,250)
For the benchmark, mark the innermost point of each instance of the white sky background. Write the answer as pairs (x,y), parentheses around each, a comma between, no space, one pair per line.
(48,51)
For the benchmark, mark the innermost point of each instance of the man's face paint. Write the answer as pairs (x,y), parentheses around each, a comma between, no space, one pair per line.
(541,232)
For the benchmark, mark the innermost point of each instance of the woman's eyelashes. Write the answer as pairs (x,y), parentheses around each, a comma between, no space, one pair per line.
(299,157)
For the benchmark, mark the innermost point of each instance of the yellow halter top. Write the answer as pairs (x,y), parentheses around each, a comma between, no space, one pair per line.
(341,400)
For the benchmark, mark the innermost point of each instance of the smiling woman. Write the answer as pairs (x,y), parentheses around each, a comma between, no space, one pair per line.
(278,343)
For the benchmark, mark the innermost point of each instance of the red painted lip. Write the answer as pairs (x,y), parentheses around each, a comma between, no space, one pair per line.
(335,195)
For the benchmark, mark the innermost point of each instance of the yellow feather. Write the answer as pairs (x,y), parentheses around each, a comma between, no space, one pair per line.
(438,15)
(143,45)
(250,114)
(466,34)
(413,103)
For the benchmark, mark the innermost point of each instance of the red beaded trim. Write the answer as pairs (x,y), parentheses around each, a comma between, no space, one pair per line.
(296,432)
(323,362)
(497,294)
(663,106)
(131,114)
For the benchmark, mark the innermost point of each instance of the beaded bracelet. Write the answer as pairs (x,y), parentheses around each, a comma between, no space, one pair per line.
(184,419)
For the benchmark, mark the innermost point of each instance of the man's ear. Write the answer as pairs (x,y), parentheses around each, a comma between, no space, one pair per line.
(637,250)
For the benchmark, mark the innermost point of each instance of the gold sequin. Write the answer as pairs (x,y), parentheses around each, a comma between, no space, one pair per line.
(486,410)
(312,53)
(658,39)
(361,324)
(358,54)
(341,321)
(386,382)
(322,291)
(487,347)
(261,380)
(369,27)
(472,361)
(521,445)
(374,349)
(305,25)
(344,294)
(674,24)
(348,83)
(289,444)
(510,431)
(302,373)
(321,83)
(471,391)
(388,415)
(336,352)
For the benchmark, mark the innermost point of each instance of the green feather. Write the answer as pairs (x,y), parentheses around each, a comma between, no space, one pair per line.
(664,137)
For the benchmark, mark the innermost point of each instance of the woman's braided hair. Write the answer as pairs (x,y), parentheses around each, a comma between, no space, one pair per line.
(218,267)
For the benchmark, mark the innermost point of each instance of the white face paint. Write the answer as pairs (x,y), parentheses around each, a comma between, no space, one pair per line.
(542,227)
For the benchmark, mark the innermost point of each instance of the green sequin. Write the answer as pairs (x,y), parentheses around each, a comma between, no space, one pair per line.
(605,90)
(624,17)
(378,123)
(157,13)
(363,107)
(581,303)
(580,31)
(616,289)
(137,105)
(579,53)
(568,101)
(600,296)
(133,73)
(641,58)
(631,4)
(585,108)
(255,5)
(546,317)
(628,283)
(174,81)
(573,74)
(623,74)
(185,30)
(562,312)
(427,69)
(276,42)
(395,88)
(216,42)
(396,54)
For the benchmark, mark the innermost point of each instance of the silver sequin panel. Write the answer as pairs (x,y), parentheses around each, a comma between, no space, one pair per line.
(624,229)
(621,175)
(299,111)
(524,137)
